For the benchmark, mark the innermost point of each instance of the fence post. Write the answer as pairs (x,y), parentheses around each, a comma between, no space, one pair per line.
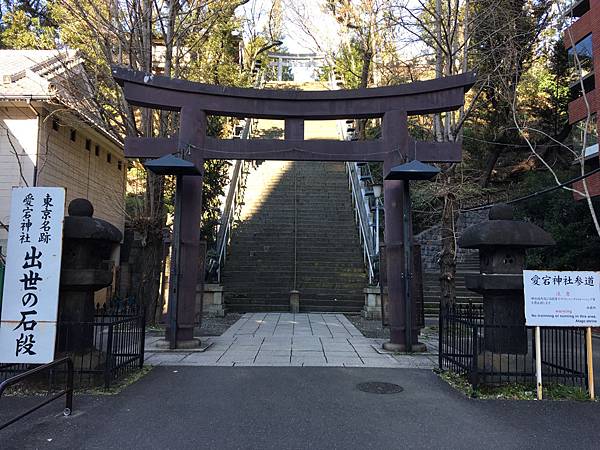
(143,335)
(440,334)
(108,365)
(474,363)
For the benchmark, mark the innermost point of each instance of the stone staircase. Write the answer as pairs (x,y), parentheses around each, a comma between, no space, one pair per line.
(431,286)
(296,231)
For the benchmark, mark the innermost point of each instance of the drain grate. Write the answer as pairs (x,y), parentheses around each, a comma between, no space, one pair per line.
(379,387)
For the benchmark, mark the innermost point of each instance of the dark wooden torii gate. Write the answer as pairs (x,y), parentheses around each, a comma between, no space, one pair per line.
(195,101)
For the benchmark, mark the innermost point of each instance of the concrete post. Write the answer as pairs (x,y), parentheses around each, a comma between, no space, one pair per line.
(294,301)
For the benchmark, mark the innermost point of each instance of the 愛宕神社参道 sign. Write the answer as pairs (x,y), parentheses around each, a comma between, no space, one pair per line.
(32,275)
(562,299)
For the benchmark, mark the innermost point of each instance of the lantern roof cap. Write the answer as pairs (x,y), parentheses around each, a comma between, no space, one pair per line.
(501,230)
(172,165)
(413,170)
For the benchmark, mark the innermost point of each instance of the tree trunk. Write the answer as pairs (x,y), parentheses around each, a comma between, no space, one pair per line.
(364,82)
(448,253)
(154,204)
(489,167)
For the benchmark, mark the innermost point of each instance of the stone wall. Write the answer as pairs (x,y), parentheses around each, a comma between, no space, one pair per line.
(431,240)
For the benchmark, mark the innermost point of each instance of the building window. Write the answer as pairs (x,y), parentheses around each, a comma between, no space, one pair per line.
(73,135)
(591,138)
(585,55)
(588,82)
(583,48)
(578,9)
(120,165)
(55,124)
(97,150)
(592,163)
(108,158)
(88,144)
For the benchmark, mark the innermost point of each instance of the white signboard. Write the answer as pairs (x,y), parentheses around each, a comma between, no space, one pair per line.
(562,299)
(32,275)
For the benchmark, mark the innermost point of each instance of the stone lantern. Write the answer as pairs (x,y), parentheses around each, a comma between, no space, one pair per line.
(88,245)
(502,242)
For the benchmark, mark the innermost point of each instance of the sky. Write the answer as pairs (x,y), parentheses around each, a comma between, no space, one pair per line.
(309,12)
(305,25)
(308,29)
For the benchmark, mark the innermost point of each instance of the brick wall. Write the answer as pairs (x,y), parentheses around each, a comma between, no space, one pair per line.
(589,22)
(593,183)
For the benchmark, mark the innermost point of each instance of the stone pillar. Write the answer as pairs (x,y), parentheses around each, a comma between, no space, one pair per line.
(502,242)
(213,303)
(294,301)
(372,308)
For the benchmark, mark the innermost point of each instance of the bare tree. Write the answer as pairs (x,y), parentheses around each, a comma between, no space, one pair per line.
(168,37)
(457,34)
(578,155)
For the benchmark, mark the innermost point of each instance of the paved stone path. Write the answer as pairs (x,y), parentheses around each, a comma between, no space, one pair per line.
(284,339)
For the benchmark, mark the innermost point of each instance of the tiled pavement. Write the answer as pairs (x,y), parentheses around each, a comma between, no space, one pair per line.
(284,339)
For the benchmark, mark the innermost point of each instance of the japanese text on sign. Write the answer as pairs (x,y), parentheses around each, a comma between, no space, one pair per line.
(569,299)
(32,275)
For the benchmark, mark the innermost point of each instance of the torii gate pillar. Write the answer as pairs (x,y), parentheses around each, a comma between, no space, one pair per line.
(192,134)
(396,140)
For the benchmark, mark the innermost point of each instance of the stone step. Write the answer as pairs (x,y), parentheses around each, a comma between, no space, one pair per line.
(235,288)
(313,198)
(331,309)
(286,308)
(305,298)
(308,255)
(259,239)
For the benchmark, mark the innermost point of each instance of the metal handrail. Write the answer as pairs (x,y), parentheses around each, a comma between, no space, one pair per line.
(67,392)
(360,202)
(234,194)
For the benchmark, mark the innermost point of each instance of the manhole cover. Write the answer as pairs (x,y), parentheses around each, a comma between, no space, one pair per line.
(378,387)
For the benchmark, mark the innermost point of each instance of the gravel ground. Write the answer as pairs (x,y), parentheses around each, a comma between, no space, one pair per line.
(369,328)
(374,329)
(211,326)
(216,326)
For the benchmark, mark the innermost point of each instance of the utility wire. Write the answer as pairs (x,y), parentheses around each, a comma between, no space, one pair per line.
(535,194)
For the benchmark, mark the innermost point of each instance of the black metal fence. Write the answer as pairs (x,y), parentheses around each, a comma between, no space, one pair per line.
(103,350)
(464,343)
(67,392)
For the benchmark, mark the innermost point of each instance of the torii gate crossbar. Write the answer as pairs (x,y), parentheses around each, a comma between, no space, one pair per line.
(194,101)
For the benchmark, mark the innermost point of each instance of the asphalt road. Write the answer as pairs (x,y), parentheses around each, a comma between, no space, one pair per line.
(289,408)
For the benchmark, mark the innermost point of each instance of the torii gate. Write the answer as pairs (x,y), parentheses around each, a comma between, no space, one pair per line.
(393,104)
(281,60)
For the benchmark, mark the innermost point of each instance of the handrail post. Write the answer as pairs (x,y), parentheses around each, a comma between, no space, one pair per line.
(67,392)
(69,395)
